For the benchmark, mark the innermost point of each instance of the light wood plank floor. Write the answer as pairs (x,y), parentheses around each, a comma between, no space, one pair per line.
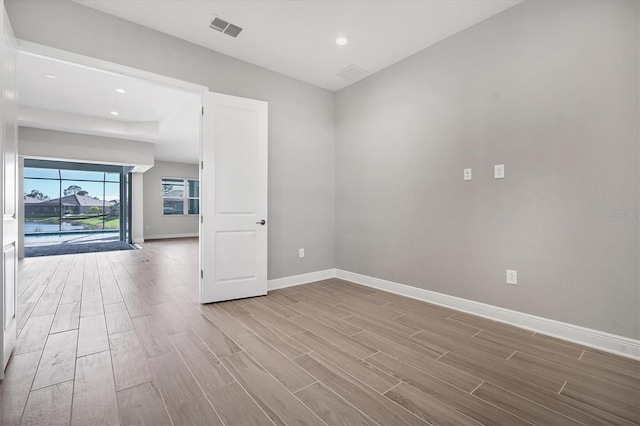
(119,338)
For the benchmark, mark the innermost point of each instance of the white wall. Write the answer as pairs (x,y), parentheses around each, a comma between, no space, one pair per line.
(156,225)
(63,146)
(137,207)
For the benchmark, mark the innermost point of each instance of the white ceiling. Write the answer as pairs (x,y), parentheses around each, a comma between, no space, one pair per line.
(296,38)
(80,100)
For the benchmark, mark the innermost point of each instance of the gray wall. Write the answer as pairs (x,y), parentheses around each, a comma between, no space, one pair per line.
(63,146)
(301,128)
(548,88)
(156,225)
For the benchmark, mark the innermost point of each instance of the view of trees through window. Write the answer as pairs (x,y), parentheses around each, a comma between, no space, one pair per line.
(58,200)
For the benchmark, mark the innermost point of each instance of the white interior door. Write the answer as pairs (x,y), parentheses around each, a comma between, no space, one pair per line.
(233,200)
(9,231)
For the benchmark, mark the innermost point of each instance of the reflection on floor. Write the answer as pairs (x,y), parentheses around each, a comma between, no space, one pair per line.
(73,243)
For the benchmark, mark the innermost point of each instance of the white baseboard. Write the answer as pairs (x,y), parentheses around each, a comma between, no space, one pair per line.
(301,279)
(166,236)
(138,240)
(608,342)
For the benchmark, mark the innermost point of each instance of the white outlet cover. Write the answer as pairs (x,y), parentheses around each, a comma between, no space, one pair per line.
(512,277)
(467,174)
(301,253)
(498,171)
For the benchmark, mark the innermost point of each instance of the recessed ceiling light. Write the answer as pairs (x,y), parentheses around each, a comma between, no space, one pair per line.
(341,41)
(121,91)
(114,112)
(50,76)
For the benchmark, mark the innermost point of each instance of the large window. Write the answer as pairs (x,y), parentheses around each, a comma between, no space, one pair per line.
(58,200)
(180,196)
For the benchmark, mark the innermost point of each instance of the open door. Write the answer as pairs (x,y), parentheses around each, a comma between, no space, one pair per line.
(9,187)
(233,178)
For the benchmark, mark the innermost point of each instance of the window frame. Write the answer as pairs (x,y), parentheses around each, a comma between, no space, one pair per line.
(185,196)
(188,197)
(58,209)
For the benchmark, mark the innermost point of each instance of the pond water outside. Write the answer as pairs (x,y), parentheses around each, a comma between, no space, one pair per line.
(30,227)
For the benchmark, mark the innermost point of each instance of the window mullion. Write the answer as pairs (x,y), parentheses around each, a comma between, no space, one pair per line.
(185,197)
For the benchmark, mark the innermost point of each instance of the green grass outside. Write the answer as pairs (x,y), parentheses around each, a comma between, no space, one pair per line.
(110,222)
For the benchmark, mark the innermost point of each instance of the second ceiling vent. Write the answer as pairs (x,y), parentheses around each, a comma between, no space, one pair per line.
(352,73)
(219,24)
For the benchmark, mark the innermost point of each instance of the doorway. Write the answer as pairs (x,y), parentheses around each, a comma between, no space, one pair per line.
(182,126)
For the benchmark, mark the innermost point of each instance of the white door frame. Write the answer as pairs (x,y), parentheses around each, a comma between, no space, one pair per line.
(55,54)
(117,69)
(8,193)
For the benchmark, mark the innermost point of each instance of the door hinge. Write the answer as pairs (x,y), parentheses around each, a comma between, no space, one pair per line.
(201,219)
(201,273)
(202,164)
(202,110)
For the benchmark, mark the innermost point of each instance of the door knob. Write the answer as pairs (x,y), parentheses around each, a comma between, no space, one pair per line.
(262,222)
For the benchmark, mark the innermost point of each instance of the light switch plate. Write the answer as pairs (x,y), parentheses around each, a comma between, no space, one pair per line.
(467,174)
(498,171)
(512,277)
(301,253)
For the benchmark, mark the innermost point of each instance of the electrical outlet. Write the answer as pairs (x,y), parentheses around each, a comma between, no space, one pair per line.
(498,171)
(467,174)
(512,277)
(301,253)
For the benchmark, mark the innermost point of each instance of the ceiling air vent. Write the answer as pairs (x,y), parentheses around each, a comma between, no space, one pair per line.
(352,73)
(219,24)
(233,30)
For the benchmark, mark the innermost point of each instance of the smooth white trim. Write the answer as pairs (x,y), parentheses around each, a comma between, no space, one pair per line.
(166,236)
(608,342)
(138,241)
(110,67)
(300,279)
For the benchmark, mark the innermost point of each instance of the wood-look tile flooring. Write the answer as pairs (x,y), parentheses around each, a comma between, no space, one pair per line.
(119,338)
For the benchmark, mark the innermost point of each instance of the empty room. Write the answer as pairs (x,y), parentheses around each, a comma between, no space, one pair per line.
(319,212)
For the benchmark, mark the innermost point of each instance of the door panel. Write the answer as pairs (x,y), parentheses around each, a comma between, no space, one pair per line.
(9,229)
(233,178)
(235,161)
(235,255)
